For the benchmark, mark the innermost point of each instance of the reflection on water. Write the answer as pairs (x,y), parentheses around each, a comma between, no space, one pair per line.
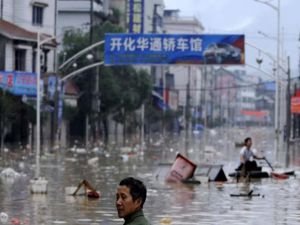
(208,203)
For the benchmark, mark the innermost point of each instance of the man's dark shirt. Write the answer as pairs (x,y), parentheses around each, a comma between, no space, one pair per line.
(136,218)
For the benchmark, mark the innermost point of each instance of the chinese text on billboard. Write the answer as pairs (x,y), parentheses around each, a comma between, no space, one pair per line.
(122,49)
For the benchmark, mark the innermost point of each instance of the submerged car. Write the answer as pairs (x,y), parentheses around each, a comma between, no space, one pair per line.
(222,53)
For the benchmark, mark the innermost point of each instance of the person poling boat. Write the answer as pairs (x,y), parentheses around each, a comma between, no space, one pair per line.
(247,156)
(276,175)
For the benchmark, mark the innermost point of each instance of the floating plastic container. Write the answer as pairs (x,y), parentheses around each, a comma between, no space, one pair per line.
(181,169)
(39,186)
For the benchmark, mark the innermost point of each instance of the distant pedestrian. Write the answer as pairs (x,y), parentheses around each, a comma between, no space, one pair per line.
(130,198)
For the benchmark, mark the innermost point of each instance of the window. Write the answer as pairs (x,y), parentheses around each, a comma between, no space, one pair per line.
(37,15)
(20,59)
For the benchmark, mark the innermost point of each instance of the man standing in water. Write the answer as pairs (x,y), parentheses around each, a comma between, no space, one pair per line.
(130,198)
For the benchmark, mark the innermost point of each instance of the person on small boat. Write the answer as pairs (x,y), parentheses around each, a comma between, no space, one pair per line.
(247,156)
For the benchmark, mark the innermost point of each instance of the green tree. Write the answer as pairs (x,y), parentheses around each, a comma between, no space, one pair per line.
(122,89)
(15,117)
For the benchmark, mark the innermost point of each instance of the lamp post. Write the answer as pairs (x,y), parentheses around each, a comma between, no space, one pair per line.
(39,185)
(277,9)
(38,100)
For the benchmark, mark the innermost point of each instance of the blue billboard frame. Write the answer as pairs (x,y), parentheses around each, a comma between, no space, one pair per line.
(18,83)
(125,49)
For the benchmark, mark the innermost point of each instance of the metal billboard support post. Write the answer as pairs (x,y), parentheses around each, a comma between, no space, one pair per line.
(187,112)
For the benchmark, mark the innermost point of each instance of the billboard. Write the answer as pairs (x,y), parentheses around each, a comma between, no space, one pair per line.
(124,49)
(135,16)
(295,104)
(18,83)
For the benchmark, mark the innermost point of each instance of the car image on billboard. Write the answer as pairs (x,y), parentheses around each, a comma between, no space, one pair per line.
(222,53)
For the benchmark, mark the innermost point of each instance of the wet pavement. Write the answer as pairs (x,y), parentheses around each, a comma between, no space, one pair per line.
(207,203)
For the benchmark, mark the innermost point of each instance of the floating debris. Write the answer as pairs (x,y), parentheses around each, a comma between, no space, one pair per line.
(3,217)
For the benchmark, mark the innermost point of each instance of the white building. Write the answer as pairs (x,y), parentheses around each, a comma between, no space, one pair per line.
(19,23)
(174,24)
(152,11)
(246,96)
(79,14)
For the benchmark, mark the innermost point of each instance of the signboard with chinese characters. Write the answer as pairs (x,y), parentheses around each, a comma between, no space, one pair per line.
(135,16)
(295,104)
(18,83)
(124,49)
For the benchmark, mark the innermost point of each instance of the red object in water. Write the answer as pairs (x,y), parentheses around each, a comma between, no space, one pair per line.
(181,169)
(15,221)
(93,194)
(279,175)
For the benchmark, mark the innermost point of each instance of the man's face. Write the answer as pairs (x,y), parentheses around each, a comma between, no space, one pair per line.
(124,202)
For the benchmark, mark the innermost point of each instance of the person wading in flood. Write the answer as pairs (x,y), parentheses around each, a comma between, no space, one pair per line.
(130,198)
(247,156)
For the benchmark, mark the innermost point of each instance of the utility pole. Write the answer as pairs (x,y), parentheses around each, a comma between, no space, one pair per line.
(87,119)
(187,112)
(277,97)
(288,114)
(205,107)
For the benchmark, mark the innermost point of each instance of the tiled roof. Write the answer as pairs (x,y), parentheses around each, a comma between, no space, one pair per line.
(15,32)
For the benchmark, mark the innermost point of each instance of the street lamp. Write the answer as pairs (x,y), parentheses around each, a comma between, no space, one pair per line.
(39,185)
(266,35)
(90,57)
(77,55)
(277,9)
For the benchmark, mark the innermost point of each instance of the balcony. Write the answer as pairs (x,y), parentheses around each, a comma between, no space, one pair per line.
(79,6)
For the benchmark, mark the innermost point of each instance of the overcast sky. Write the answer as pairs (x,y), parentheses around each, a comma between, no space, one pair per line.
(248,17)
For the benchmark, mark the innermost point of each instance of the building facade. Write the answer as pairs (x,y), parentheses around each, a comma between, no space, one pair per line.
(174,24)
(79,14)
(20,22)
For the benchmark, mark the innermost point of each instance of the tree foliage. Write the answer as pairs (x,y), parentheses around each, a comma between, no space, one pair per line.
(121,88)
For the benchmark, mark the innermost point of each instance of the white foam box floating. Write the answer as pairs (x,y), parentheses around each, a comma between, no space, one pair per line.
(39,186)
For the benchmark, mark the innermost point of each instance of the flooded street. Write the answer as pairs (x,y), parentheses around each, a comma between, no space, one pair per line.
(208,203)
